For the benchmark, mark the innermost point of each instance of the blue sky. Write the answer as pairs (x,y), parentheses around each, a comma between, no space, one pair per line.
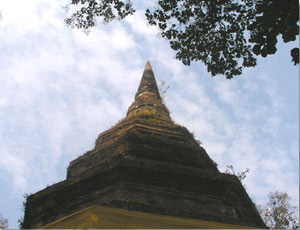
(60,88)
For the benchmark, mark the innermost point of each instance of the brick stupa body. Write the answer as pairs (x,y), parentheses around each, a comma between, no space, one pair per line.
(142,170)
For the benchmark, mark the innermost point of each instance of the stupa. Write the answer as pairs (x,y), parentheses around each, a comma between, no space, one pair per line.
(145,172)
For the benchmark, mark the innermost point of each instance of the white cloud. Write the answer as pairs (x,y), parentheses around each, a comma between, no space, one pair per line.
(140,26)
(228,92)
(16,167)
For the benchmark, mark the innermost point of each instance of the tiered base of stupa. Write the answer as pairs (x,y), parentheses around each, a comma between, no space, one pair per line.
(147,167)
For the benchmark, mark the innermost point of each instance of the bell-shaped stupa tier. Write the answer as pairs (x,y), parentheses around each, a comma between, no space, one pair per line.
(146,164)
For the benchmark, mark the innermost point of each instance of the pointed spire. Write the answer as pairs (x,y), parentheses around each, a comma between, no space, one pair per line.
(148,66)
(148,83)
(147,97)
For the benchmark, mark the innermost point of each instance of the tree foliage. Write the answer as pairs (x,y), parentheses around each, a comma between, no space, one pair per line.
(163,89)
(86,16)
(225,35)
(3,222)
(21,220)
(272,19)
(207,31)
(278,213)
(240,175)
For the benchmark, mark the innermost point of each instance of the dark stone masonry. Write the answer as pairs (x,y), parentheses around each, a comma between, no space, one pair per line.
(146,163)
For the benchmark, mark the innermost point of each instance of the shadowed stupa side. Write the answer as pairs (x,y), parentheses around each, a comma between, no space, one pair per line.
(144,165)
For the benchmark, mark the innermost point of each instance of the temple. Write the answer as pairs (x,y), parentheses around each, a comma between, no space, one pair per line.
(144,172)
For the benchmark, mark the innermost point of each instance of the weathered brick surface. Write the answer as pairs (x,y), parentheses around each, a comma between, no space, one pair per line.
(146,163)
